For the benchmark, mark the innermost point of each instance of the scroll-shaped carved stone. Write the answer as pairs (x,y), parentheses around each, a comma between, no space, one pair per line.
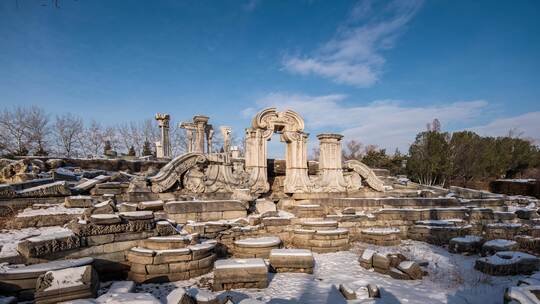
(173,172)
(367,174)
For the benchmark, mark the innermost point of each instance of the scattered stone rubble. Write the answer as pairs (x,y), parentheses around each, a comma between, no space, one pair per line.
(394,264)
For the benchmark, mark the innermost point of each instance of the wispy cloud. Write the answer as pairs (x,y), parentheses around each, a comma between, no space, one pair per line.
(528,124)
(354,55)
(390,124)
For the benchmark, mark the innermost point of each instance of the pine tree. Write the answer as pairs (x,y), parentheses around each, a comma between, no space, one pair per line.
(131,151)
(147,148)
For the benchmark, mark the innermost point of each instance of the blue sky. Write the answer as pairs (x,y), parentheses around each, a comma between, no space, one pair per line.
(374,71)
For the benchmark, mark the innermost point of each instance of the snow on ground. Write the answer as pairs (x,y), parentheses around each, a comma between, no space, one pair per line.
(10,238)
(452,279)
(55,209)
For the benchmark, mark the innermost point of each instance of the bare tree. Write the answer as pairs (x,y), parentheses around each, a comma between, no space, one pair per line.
(67,129)
(39,129)
(15,131)
(352,150)
(94,139)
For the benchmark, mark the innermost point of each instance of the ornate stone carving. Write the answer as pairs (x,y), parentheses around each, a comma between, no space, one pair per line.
(367,174)
(173,172)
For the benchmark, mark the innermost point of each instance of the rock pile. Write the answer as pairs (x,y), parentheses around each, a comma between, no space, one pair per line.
(394,264)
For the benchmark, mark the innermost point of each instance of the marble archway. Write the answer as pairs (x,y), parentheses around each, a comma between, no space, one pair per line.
(290,126)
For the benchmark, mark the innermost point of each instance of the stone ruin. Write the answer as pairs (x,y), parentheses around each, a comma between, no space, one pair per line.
(233,220)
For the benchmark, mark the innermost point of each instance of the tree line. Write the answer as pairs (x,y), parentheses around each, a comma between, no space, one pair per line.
(32,131)
(459,158)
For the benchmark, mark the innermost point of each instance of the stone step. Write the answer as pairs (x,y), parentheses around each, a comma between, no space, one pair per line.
(256,247)
(320,225)
(167,242)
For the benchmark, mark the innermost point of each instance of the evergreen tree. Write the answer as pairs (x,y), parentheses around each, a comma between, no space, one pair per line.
(147,148)
(131,151)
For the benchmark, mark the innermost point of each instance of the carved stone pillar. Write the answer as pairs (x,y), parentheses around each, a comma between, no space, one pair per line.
(209,136)
(189,135)
(226,133)
(200,125)
(164,149)
(330,167)
(255,159)
(296,164)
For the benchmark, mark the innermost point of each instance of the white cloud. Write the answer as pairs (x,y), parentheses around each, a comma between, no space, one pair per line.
(528,124)
(354,56)
(389,123)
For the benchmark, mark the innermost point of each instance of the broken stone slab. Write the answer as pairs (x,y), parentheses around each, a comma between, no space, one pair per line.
(366,258)
(151,205)
(264,205)
(106,207)
(179,207)
(122,287)
(126,207)
(79,201)
(381,263)
(508,263)
(105,219)
(397,274)
(347,291)
(412,269)
(466,244)
(39,246)
(66,284)
(59,188)
(15,272)
(87,185)
(492,246)
(137,215)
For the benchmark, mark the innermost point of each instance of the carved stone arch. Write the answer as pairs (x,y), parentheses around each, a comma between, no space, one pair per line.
(274,121)
(291,127)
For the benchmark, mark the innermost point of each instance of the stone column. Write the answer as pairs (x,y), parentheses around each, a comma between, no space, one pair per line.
(209,136)
(200,122)
(255,159)
(226,133)
(296,170)
(164,149)
(330,167)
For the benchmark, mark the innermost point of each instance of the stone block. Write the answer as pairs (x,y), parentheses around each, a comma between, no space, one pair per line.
(381,263)
(79,201)
(227,273)
(412,269)
(366,258)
